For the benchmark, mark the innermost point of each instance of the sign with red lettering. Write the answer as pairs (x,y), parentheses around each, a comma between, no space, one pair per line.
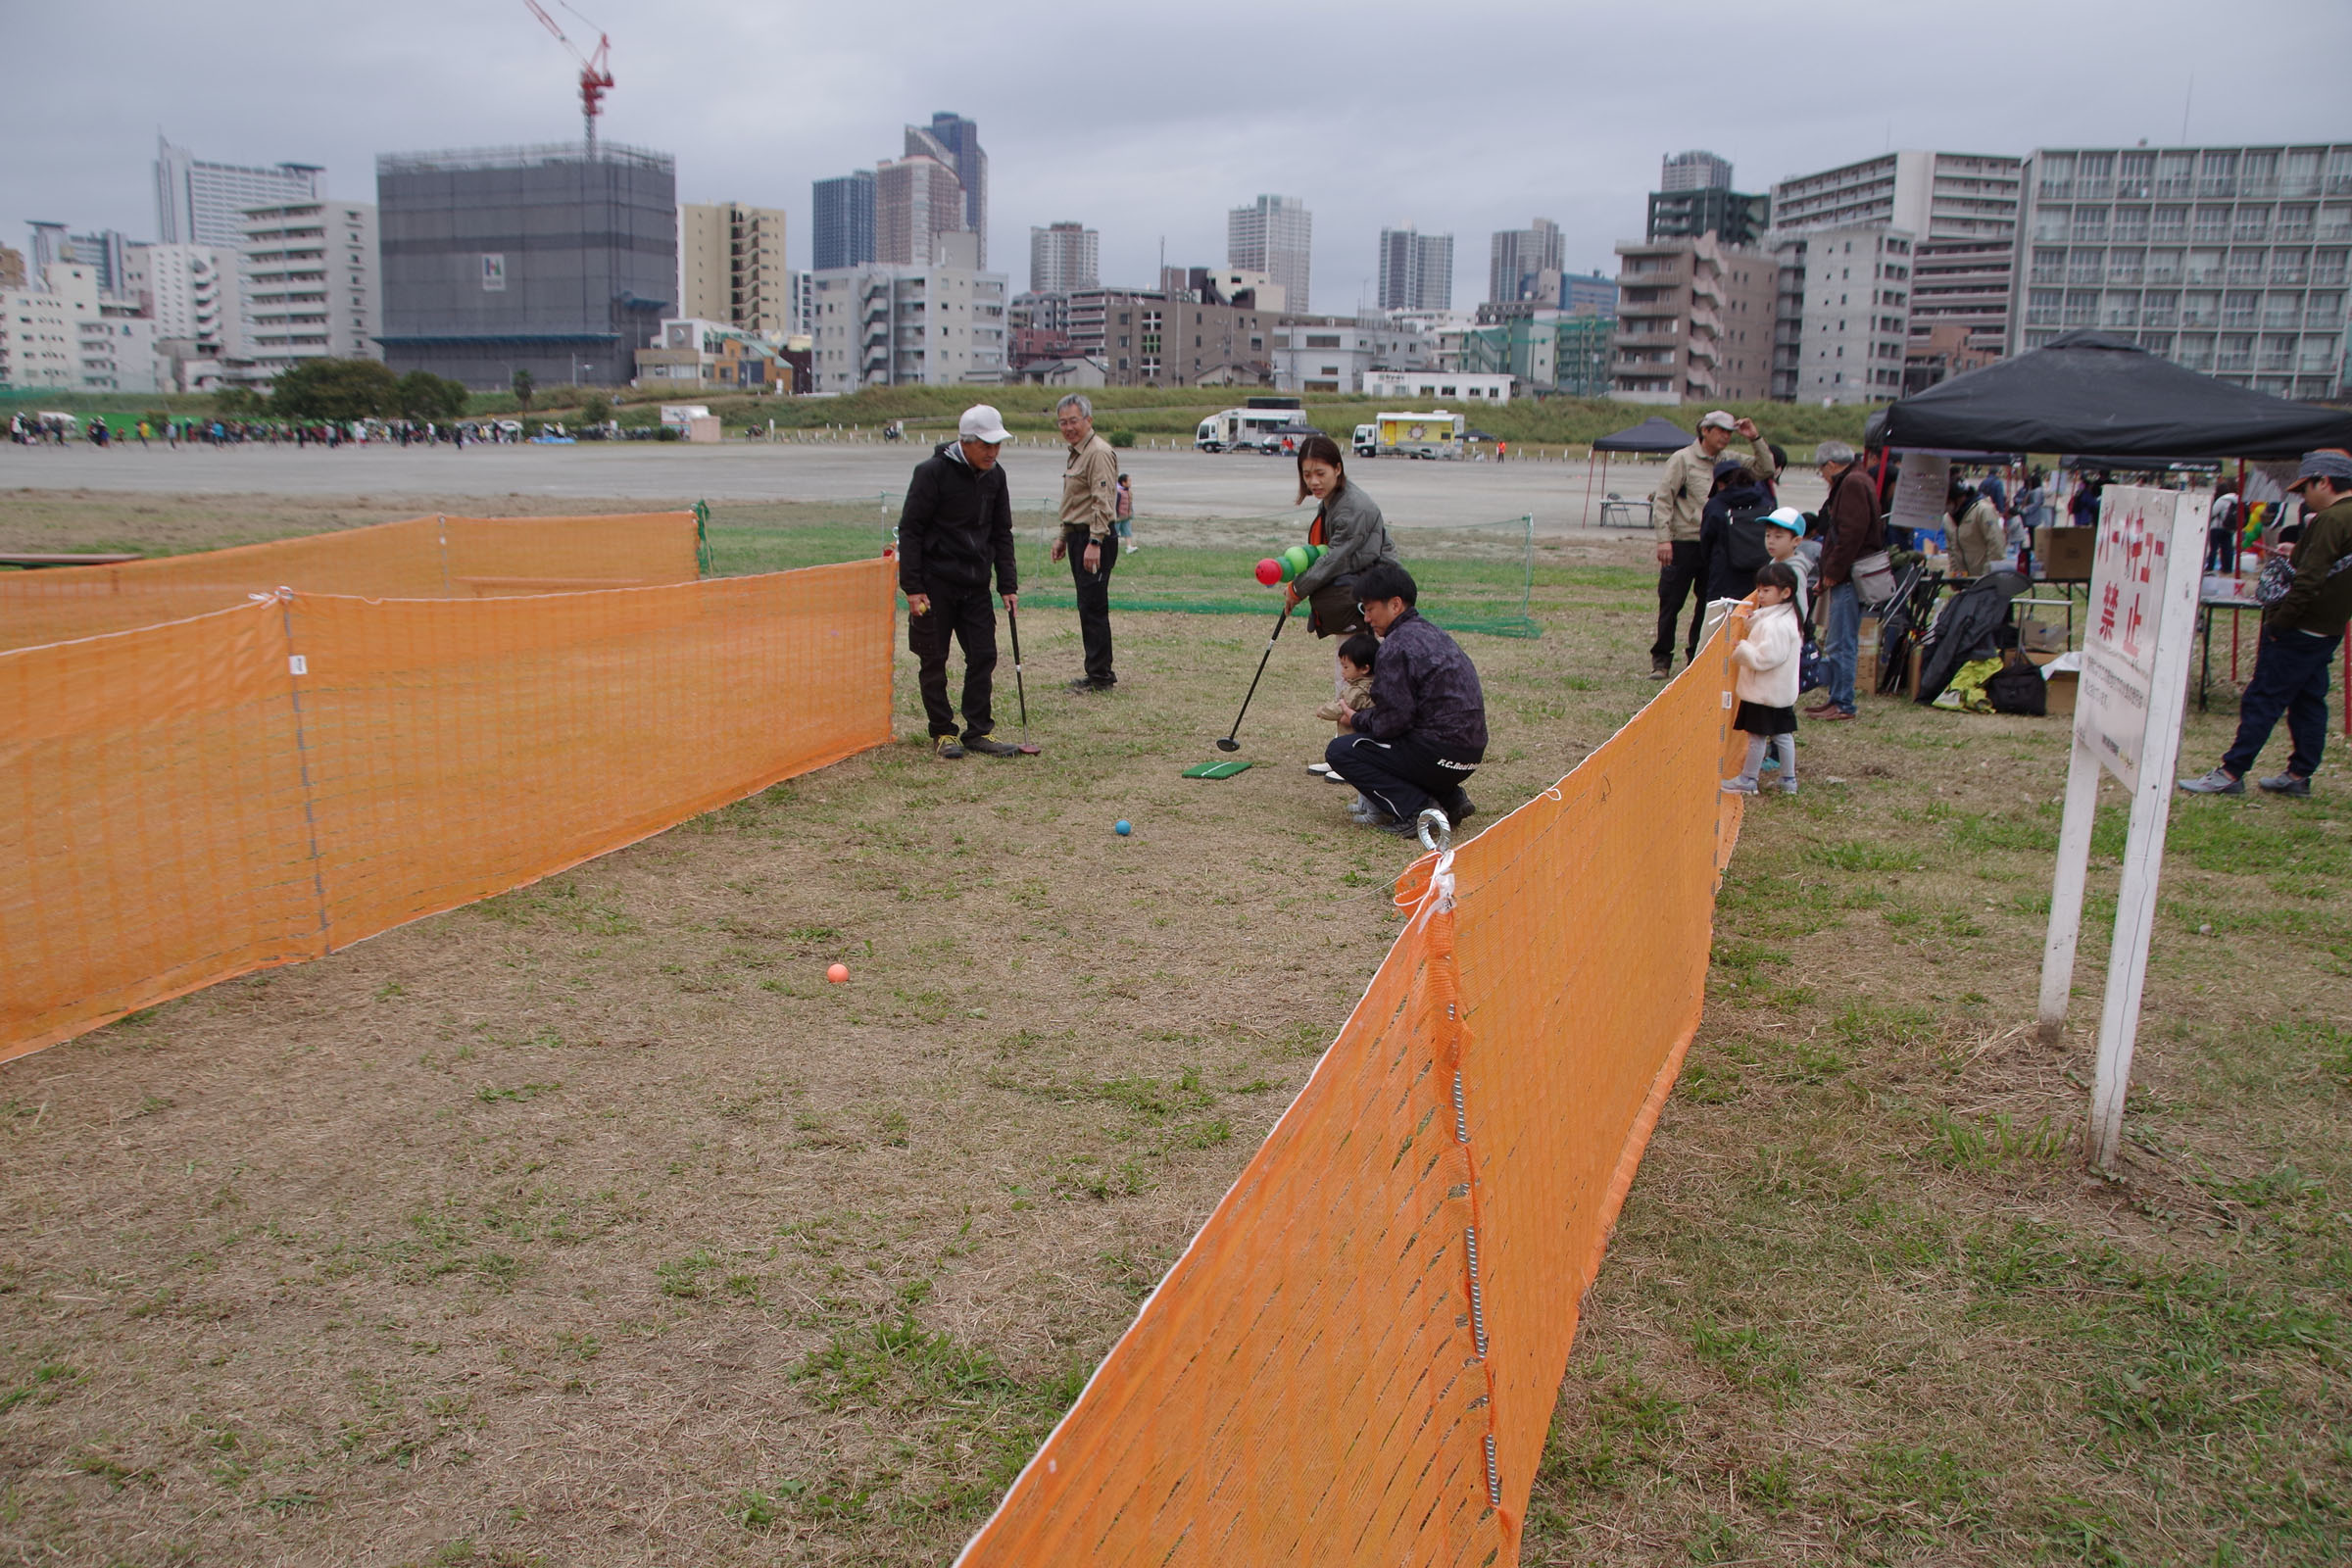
(2149,546)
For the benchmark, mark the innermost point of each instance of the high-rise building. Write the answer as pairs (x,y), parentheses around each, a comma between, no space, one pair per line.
(538,259)
(1695,170)
(1739,218)
(11,268)
(1274,235)
(731,266)
(841,231)
(201,203)
(192,293)
(955,141)
(1959,213)
(1416,270)
(1064,256)
(1843,314)
(2228,260)
(50,245)
(1694,321)
(916,200)
(1170,337)
(1520,257)
(886,325)
(308,284)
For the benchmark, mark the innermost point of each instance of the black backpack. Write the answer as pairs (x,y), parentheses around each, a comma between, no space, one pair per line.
(2018,687)
(1744,538)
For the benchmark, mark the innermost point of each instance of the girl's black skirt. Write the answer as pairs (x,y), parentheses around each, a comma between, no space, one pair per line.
(1755,718)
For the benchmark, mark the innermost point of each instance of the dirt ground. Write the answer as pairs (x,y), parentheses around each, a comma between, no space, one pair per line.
(590,1225)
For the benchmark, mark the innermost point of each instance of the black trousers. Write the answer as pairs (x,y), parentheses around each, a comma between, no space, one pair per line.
(1401,777)
(965,614)
(2290,678)
(1093,603)
(1677,580)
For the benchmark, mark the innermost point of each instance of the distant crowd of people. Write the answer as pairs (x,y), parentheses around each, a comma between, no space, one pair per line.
(33,429)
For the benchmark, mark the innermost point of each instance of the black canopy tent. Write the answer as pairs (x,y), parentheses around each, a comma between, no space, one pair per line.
(1655,435)
(2095,392)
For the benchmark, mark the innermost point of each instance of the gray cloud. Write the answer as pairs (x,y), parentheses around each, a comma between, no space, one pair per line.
(1148,122)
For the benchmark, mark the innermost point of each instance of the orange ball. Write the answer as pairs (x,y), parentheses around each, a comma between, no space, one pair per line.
(838,973)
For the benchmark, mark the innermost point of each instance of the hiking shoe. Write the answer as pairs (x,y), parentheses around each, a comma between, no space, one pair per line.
(2294,784)
(1084,684)
(2217,782)
(1661,668)
(1738,786)
(1458,807)
(947,746)
(990,746)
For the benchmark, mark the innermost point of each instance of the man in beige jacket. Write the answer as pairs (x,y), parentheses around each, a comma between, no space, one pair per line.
(1675,509)
(1090,490)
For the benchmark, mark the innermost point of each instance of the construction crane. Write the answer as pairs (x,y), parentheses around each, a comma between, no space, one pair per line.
(595,77)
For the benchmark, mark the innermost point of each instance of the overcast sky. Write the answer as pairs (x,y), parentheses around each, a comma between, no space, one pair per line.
(1149,122)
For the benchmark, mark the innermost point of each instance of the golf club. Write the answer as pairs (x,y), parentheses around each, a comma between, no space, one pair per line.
(1012,620)
(1227,743)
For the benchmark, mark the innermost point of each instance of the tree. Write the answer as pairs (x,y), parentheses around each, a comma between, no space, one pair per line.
(525,382)
(339,390)
(597,410)
(422,395)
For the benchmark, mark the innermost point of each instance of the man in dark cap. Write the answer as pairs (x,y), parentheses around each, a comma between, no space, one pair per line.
(2300,633)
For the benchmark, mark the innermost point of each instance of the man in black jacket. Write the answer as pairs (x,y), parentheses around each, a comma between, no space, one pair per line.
(957,525)
(1426,730)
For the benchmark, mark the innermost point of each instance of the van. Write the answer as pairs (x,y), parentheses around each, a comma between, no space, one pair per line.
(1246,430)
(1367,440)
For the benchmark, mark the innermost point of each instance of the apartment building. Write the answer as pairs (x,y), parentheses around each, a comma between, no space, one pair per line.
(1409,387)
(1274,235)
(955,141)
(1695,170)
(841,228)
(1063,257)
(198,202)
(1959,211)
(1337,353)
(731,266)
(884,326)
(1525,263)
(308,284)
(1546,350)
(1841,314)
(1694,321)
(1416,270)
(2228,259)
(916,203)
(68,336)
(1171,336)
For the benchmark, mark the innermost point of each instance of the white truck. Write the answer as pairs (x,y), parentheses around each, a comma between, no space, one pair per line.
(1246,430)
(1436,434)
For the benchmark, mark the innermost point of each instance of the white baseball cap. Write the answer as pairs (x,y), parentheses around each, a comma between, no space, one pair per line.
(1717,419)
(980,422)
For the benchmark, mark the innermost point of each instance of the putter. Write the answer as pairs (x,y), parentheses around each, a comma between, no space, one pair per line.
(1012,620)
(1228,742)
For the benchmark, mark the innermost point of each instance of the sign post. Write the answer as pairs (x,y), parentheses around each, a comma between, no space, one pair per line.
(2135,658)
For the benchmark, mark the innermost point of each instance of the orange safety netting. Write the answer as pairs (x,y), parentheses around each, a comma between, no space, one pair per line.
(1356,1359)
(271,782)
(418,557)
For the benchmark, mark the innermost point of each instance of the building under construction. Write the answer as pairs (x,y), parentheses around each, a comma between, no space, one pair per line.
(554,259)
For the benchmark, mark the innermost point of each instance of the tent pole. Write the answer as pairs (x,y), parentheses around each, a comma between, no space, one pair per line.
(1604,458)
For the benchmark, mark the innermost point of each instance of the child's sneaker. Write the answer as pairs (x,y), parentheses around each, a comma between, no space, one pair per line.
(1788,786)
(1738,786)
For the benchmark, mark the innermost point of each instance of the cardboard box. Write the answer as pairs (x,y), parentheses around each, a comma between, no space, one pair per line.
(2063,555)
(2059,691)
(1909,686)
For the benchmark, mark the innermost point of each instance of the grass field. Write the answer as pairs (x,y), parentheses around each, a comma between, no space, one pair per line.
(588,1225)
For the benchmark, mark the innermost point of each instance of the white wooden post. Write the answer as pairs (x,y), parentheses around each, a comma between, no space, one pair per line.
(2066,892)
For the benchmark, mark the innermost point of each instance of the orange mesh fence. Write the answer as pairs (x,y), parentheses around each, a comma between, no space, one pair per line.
(271,782)
(418,557)
(1355,1360)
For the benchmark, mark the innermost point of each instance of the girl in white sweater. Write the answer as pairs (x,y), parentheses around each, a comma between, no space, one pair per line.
(1767,657)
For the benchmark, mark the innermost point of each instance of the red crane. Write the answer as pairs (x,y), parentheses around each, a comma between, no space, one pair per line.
(595,77)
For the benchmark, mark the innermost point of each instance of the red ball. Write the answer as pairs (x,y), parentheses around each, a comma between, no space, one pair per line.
(1269,571)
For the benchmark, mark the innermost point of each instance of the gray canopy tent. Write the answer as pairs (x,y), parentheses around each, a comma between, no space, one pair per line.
(1655,436)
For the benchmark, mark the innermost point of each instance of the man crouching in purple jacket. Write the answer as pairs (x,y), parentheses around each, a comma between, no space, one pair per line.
(1426,730)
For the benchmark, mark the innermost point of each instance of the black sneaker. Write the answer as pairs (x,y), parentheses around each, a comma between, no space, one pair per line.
(1460,808)
(990,746)
(2293,784)
(946,746)
(1084,684)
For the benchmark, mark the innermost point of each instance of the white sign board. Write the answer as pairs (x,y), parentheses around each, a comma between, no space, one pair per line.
(1919,491)
(2143,620)
(2135,563)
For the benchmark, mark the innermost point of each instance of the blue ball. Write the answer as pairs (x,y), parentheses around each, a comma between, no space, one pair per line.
(1122,828)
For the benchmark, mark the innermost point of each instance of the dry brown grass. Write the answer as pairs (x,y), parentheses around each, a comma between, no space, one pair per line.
(590,1225)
